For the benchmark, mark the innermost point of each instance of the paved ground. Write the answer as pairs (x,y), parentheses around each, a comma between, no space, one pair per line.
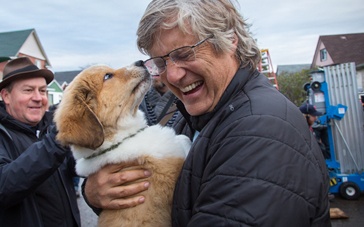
(88,217)
(354,209)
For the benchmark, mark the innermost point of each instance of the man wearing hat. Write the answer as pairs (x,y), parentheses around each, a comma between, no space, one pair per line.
(35,171)
(310,112)
(320,131)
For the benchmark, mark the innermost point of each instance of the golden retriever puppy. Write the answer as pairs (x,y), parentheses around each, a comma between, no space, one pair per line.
(99,119)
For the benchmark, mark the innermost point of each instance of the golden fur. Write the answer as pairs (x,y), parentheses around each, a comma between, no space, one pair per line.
(99,109)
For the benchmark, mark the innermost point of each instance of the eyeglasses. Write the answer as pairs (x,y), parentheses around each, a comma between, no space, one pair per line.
(157,65)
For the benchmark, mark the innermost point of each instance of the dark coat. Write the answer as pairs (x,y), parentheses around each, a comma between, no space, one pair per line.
(153,106)
(36,187)
(254,163)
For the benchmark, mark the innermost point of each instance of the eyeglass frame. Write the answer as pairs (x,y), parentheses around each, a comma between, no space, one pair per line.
(168,55)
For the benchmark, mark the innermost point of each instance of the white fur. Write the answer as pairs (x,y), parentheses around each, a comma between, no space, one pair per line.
(156,141)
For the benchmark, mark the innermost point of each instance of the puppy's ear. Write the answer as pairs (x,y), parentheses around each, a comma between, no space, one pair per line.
(77,124)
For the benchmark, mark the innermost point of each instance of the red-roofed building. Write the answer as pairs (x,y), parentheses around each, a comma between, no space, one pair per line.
(342,48)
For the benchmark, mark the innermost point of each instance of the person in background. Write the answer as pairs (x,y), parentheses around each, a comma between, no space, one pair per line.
(253,161)
(159,104)
(35,171)
(311,114)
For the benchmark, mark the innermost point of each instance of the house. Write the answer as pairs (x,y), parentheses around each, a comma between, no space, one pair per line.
(55,93)
(291,69)
(25,43)
(64,78)
(343,48)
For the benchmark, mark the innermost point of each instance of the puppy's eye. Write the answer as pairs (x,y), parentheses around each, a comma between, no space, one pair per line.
(108,76)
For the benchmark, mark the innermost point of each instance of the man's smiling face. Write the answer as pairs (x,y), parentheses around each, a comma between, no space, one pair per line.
(27,100)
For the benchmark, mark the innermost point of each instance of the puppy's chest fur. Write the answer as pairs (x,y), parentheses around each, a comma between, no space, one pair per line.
(157,142)
(157,149)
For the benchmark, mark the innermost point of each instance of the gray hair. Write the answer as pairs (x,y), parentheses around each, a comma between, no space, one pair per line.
(202,18)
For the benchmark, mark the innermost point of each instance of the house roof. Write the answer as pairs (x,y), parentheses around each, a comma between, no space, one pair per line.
(11,42)
(291,68)
(65,76)
(344,48)
(54,87)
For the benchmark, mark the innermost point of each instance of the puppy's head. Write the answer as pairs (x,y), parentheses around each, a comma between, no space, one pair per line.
(95,100)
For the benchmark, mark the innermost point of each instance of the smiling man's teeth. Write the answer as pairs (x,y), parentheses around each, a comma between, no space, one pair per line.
(191,87)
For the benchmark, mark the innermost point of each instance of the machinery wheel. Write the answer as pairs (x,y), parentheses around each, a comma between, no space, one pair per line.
(349,191)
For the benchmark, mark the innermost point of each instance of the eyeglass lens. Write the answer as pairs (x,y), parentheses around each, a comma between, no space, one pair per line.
(182,54)
(157,65)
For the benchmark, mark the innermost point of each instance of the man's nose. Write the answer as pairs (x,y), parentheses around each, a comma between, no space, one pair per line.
(37,95)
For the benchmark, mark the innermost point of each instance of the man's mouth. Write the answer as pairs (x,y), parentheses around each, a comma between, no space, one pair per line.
(188,89)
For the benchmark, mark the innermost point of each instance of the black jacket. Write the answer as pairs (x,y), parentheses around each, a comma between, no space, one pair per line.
(254,163)
(36,187)
(154,107)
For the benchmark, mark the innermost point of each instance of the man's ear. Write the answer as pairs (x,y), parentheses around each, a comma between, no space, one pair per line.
(4,95)
(235,40)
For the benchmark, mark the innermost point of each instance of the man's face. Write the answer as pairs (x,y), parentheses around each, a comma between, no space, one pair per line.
(311,119)
(199,83)
(27,101)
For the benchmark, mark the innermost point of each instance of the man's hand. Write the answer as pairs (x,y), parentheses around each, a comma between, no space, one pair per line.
(112,186)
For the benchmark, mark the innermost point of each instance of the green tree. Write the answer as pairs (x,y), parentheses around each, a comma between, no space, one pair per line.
(291,85)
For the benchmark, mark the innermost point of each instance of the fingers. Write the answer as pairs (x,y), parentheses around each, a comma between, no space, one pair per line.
(113,187)
(122,197)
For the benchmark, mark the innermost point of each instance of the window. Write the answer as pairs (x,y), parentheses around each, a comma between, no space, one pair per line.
(38,63)
(50,99)
(323,55)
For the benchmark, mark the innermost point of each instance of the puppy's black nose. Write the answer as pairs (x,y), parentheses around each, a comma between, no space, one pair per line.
(139,63)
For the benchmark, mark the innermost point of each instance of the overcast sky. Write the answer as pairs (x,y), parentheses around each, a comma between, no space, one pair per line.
(76,34)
